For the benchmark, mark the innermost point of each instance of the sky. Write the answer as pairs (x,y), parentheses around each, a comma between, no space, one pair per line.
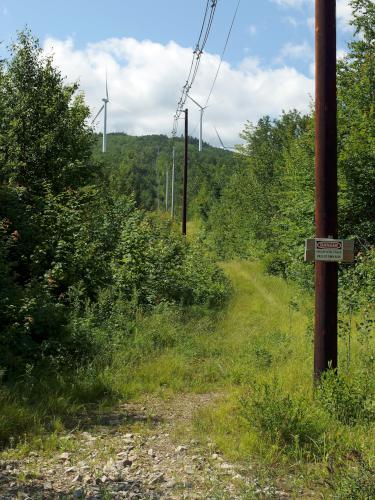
(146,46)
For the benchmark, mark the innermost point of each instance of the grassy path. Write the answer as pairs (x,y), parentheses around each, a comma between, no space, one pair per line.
(261,328)
(261,308)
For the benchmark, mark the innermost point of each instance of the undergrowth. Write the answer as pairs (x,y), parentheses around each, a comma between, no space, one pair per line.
(269,415)
(356,483)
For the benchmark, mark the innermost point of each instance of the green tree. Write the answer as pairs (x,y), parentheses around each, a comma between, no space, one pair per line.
(356,98)
(43,134)
(45,165)
(251,200)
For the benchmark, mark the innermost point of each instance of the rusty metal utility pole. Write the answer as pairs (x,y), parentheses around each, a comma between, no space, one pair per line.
(184,198)
(326,285)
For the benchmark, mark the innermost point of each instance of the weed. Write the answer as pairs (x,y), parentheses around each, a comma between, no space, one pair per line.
(290,422)
(263,357)
(15,418)
(350,400)
(357,483)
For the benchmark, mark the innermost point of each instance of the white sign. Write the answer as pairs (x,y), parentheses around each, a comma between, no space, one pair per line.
(329,250)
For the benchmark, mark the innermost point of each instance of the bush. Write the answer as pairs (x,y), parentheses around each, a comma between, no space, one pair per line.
(357,283)
(147,259)
(155,264)
(201,281)
(349,400)
(356,484)
(291,423)
(275,265)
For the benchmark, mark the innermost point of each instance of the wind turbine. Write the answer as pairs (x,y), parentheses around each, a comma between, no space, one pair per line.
(106,101)
(221,142)
(201,108)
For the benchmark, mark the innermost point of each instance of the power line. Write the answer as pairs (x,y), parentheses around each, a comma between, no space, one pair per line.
(197,54)
(195,61)
(223,52)
(204,22)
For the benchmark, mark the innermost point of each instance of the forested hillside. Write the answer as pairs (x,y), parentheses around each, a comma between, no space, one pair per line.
(138,166)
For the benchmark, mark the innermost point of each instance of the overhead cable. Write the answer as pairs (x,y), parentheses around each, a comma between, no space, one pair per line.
(197,54)
(223,52)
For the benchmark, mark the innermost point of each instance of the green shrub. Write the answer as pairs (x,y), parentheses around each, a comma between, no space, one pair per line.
(357,483)
(350,399)
(292,423)
(201,281)
(147,259)
(155,264)
(275,265)
(357,282)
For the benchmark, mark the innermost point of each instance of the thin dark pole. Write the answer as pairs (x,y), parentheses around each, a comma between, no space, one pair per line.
(166,187)
(157,178)
(173,174)
(186,159)
(326,286)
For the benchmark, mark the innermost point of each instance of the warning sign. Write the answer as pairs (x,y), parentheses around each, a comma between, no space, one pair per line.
(327,250)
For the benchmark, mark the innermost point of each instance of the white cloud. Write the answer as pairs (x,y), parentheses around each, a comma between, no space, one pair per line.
(344,13)
(343,10)
(290,3)
(341,54)
(302,51)
(290,20)
(145,80)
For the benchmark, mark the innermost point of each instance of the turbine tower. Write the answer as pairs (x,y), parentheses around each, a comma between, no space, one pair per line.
(201,108)
(104,107)
(106,101)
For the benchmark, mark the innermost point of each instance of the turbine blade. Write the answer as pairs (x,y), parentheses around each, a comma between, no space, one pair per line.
(106,85)
(97,114)
(218,136)
(199,106)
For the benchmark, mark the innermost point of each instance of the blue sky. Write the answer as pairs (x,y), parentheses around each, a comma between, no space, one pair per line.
(271,45)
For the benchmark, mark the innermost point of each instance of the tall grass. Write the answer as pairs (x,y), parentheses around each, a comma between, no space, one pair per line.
(271,412)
